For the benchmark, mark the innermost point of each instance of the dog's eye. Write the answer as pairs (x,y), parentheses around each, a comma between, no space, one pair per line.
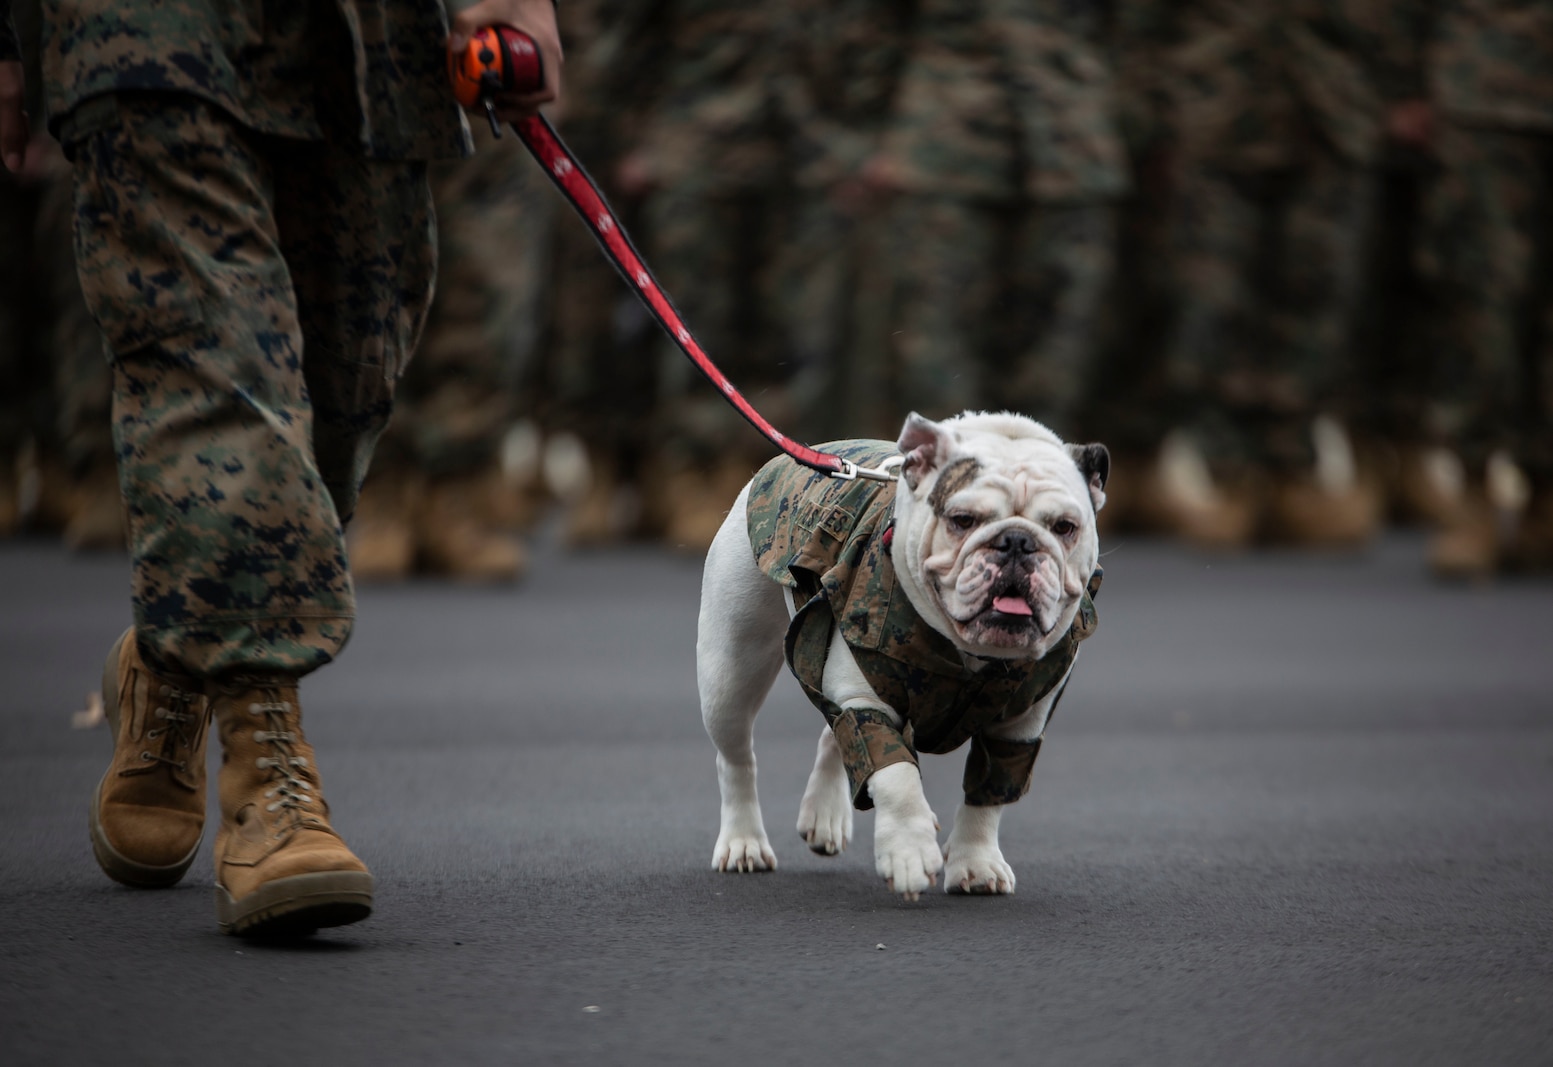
(1064,528)
(960,522)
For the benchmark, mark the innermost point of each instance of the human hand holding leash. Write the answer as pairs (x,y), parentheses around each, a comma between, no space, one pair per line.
(536,18)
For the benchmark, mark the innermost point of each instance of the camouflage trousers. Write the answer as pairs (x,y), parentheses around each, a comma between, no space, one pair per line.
(462,393)
(997,305)
(1486,266)
(259,298)
(1267,270)
(54,384)
(715,254)
(23,386)
(832,279)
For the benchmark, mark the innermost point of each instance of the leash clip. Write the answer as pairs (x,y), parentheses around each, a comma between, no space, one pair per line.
(885,472)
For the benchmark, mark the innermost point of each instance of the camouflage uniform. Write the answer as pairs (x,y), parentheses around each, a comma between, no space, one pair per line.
(843,71)
(1005,145)
(458,399)
(1487,251)
(56,390)
(714,145)
(599,362)
(255,238)
(23,385)
(828,541)
(1274,123)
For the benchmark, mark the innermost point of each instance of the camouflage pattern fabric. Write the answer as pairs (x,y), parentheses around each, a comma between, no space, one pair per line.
(259,297)
(997,306)
(82,385)
(461,394)
(366,73)
(1003,137)
(1005,99)
(716,124)
(825,540)
(833,268)
(1491,63)
(597,360)
(1485,255)
(1239,86)
(716,254)
(1267,283)
(714,143)
(1486,264)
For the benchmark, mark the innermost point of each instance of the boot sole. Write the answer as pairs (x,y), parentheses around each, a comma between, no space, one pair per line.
(114,864)
(301,904)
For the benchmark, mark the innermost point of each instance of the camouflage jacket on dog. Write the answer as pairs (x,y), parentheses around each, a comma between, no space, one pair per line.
(829,542)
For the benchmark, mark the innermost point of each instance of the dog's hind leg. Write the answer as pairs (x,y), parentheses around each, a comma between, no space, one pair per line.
(825,813)
(738,657)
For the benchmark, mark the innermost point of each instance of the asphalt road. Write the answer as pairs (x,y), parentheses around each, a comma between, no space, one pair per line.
(1291,812)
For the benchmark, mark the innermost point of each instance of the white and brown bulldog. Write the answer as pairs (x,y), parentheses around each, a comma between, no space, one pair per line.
(942,608)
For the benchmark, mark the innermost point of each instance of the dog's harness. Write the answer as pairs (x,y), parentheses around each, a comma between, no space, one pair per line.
(830,543)
(583,194)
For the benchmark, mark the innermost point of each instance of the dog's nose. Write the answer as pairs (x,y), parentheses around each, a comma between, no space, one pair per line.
(1015,543)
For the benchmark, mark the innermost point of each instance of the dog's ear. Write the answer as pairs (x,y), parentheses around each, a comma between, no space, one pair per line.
(1094,463)
(925,444)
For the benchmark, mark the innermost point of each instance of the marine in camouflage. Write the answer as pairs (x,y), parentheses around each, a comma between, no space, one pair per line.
(829,542)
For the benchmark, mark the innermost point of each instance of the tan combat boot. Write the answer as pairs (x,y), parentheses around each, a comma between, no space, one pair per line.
(149,811)
(1301,513)
(456,537)
(96,522)
(281,869)
(1531,550)
(1470,543)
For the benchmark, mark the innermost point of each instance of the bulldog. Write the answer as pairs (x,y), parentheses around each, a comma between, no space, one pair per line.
(941,608)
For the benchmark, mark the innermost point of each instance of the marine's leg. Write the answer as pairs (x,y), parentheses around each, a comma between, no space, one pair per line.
(237,562)
(943,258)
(1063,262)
(1482,219)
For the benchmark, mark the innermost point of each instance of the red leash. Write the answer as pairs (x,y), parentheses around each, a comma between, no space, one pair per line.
(580,191)
(504,59)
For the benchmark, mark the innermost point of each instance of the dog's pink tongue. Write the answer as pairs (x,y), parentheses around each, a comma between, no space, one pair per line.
(1011,605)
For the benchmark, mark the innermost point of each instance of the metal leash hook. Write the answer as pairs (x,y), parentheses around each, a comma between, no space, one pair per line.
(505,60)
(887,471)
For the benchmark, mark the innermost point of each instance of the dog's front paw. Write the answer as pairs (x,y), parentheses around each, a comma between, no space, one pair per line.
(906,852)
(978,869)
(743,849)
(825,819)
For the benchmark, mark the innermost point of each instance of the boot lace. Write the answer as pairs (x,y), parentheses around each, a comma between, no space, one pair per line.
(292,792)
(179,718)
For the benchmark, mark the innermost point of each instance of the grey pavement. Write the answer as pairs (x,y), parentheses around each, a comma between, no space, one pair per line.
(1292,811)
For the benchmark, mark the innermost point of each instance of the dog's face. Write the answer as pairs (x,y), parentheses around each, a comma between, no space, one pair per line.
(995,530)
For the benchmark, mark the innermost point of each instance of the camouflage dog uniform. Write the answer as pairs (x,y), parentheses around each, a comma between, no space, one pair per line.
(255,237)
(829,542)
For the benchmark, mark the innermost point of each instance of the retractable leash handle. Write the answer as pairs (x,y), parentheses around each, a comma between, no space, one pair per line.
(502,59)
